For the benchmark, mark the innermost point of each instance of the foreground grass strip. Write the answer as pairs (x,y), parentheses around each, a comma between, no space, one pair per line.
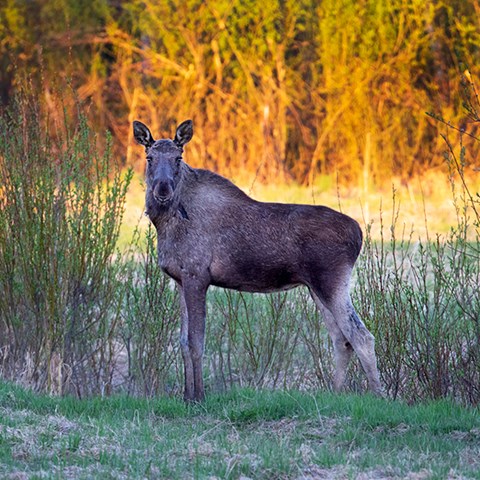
(254,434)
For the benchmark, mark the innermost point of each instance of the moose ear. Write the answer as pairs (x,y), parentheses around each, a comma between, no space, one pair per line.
(142,134)
(184,133)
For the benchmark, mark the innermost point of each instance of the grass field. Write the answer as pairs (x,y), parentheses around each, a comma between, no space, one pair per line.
(241,434)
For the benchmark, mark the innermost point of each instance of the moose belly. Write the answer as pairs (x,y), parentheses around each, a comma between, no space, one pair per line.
(253,277)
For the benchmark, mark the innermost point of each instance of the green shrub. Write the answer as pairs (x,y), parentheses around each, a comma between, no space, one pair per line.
(150,321)
(61,206)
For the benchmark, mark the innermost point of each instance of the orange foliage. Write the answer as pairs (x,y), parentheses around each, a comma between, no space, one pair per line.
(281,90)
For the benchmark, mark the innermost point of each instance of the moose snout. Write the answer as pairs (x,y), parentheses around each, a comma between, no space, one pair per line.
(163,191)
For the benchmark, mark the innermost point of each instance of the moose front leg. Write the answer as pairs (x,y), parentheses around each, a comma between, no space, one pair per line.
(184,346)
(194,297)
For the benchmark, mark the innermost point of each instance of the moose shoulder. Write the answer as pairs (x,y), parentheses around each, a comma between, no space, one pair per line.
(211,233)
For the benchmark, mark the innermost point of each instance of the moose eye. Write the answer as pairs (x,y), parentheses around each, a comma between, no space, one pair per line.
(179,159)
(149,159)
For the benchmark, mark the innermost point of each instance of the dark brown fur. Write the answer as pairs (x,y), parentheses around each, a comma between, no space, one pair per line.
(211,233)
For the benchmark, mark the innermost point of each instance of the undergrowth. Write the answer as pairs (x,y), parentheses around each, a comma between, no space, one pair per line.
(79,317)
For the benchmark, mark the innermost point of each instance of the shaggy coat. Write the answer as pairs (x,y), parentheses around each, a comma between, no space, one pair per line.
(211,233)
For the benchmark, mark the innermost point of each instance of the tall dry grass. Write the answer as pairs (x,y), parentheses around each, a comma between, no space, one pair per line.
(281,89)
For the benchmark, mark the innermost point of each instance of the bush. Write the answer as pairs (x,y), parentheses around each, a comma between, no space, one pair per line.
(150,321)
(61,206)
(421,301)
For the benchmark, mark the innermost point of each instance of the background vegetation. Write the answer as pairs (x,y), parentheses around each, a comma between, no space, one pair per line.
(78,316)
(278,91)
(284,89)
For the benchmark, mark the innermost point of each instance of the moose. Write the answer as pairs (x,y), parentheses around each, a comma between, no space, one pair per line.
(209,232)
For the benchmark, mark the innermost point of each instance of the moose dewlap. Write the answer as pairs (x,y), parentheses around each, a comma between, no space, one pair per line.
(211,233)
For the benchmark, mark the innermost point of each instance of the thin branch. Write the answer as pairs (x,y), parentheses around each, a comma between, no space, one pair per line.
(449,125)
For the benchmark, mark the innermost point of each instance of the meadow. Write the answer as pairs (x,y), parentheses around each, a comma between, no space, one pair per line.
(89,334)
(243,434)
(295,101)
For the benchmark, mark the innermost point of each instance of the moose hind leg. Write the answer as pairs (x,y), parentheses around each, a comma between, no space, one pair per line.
(335,297)
(364,346)
(359,337)
(342,349)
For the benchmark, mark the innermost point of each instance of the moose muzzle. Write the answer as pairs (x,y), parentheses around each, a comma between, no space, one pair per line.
(163,191)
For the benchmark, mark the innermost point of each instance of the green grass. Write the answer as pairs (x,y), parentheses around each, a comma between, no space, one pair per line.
(254,434)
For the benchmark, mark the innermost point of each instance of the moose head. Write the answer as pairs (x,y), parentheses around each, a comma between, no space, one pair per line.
(164,160)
